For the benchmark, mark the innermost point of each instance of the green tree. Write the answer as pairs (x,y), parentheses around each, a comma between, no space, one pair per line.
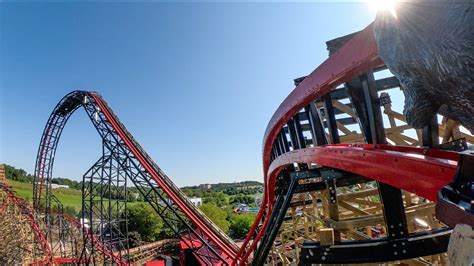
(241,224)
(144,220)
(216,198)
(241,198)
(217,215)
(19,175)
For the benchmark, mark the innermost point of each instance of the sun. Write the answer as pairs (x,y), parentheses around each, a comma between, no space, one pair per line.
(383,5)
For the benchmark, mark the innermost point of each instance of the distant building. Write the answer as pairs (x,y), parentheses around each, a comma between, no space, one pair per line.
(54,186)
(205,186)
(196,201)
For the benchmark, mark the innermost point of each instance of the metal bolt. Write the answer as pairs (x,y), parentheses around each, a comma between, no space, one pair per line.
(394,245)
(323,258)
(395,253)
(404,251)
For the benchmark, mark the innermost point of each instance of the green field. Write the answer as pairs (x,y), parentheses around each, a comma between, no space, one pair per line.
(68,197)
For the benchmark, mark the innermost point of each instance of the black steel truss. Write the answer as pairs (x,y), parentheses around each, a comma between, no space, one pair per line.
(381,250)
(456,200)
(277,216)
(104,206)
(105,225)
(322,124)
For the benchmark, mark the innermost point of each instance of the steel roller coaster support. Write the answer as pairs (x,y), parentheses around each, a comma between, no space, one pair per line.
(306,148)
(305,134)
(123,161)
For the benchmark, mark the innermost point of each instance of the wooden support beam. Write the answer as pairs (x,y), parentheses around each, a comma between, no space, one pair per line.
(326,236)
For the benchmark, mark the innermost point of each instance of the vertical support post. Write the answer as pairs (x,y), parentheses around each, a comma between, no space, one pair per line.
(317,128)
(104,205)
(277,216)
(299,132)
(295,142)
(430,133)
(280,144)
(331,194)
(284,141)
(371,121)
(277,147)
(374,114)
(331,119)
(356,95)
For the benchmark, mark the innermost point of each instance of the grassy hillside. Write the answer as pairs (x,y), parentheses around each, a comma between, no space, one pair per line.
(223,195)
(24,190)
(68,197)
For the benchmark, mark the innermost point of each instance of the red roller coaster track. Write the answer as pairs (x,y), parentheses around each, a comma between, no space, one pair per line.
(423,171)
(221,247)
(225,246)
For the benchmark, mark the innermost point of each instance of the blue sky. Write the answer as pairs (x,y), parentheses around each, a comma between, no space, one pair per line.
(195,83)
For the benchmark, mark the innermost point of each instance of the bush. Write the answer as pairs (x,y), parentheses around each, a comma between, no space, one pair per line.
(146,222)
(217,215)
(241,224)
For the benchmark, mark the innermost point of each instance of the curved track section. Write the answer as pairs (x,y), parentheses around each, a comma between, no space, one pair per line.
(423,171)
(355,57)
(215,246)
(295,154)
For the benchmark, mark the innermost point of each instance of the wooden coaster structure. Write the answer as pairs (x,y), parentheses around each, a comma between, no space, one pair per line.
(19,227)
(21,236)
(16,238)
(343,183)
(358,212)
(141,254)
(347,181)
(357,215)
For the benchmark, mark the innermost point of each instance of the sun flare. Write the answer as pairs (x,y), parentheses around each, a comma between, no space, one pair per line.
(383,5)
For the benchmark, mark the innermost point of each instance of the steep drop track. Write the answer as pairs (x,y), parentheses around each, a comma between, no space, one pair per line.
(215,245)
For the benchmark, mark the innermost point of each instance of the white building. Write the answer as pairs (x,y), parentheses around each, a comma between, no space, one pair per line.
(196,201)
(205,186)
(54,186)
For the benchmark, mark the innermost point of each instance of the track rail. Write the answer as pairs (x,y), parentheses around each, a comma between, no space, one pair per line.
(28,212)
(423,171)
(178,197)
(217,247)
(357,56)
(46,256)
(418,170)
